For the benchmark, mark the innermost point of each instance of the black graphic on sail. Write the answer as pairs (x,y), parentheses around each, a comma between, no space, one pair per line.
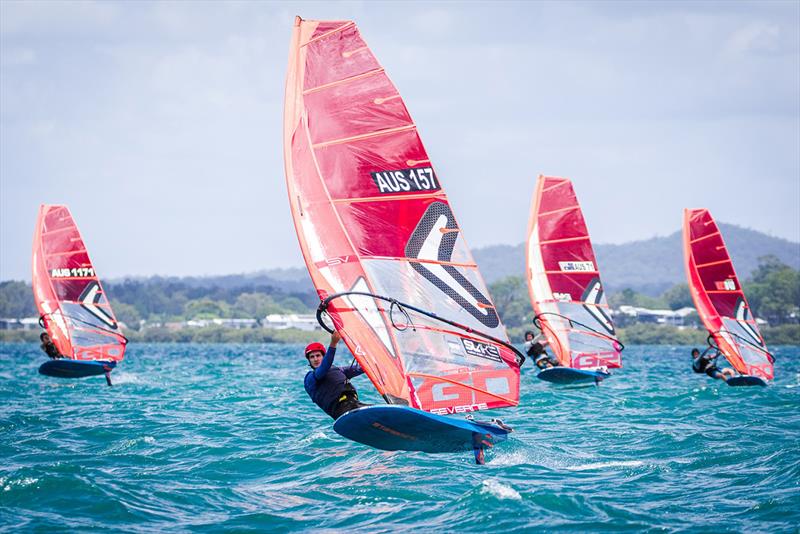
(592,297)
(89,299)
(434,239)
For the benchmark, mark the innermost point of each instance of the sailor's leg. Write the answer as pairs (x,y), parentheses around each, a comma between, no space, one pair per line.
(727,372)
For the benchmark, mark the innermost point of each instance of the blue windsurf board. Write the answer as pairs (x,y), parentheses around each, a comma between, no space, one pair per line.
(400,428)
(68,368)
(746,380)
(568,375)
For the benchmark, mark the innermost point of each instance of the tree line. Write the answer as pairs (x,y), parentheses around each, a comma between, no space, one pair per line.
(163,300)
(773,292)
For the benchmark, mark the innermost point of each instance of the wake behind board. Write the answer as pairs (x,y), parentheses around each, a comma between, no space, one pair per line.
(569,375)
(400,428)
(68,368)
(746,380)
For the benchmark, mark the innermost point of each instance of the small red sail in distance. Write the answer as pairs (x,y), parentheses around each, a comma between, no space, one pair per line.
(564,280)
(372,217)
(719,298)
(72,304)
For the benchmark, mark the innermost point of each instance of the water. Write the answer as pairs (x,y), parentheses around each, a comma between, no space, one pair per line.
(210,437)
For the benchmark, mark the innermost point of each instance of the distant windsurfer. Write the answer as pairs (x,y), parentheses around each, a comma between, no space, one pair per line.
(49,347)
(535,348)
(328,385)
(707,363)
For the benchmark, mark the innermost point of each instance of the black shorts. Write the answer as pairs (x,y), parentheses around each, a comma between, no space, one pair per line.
(349,401)
(536,349)
(714,372)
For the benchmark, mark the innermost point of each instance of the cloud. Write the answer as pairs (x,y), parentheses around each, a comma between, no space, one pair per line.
(16,55)
(755,38)
(56,17)
(168,116)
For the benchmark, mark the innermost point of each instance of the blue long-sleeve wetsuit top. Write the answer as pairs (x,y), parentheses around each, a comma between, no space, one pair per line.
(326,383)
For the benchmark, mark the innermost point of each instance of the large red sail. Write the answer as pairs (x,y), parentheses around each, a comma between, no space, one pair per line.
(564,280)
(72,304)
(372,219)
(719,298)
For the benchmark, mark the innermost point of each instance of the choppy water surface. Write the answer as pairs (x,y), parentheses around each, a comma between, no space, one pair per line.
(209,437)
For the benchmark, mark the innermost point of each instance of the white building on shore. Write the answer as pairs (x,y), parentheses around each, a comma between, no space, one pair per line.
(227,323)
(276,321)
(646,315)
(26,323)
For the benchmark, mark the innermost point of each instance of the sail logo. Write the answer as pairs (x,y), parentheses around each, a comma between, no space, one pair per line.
(576,266)
(332,262)
(594,303)
(728,285)
(92,299)
(460,409)
(590,361)
(406,180)
(562,297)
(481,350)
(434,238)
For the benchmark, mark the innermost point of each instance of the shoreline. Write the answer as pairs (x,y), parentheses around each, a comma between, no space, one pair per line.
(638,334)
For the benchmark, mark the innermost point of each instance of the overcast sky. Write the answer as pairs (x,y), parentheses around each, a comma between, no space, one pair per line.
(159,124)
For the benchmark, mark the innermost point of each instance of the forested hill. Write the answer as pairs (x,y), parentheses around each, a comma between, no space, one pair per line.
(650,266)
(291,280)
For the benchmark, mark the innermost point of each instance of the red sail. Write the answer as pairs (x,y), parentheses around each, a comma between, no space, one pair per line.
(372,217)
(564,280)
(71,302)
(719,298)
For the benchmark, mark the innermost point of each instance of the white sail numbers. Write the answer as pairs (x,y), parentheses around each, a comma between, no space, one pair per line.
(576,266)
(75,272)
(405,180)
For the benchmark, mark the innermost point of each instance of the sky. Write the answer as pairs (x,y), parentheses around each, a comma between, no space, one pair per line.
(160,123)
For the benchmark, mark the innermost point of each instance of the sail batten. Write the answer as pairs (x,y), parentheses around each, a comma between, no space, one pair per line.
(343,81)
(375,226)
(564,280)
(719,298)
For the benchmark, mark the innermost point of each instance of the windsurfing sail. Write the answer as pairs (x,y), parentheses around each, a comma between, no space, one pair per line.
(378,234)
(564,280)
(72,305)
(719,298)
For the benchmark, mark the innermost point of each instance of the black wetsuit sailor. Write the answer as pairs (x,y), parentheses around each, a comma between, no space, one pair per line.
(49,347)
(535,348)
(328,385)
(707,363)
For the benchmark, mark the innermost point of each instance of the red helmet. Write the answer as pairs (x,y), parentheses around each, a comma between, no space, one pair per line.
(315,347)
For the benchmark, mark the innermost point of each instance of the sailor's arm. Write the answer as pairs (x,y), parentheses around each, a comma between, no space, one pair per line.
(327,361)
(706,356)
(353,370)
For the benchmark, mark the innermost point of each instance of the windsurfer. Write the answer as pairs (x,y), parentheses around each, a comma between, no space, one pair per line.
(49,347)
(329,385)
(535,347)
(707,363)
